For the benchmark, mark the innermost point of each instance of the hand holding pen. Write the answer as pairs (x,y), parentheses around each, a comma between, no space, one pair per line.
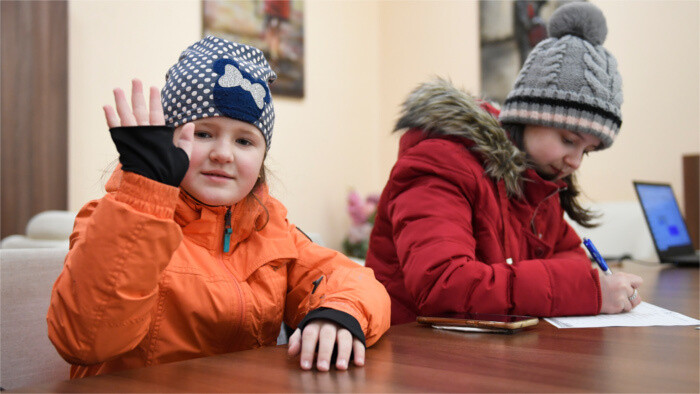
(618,291)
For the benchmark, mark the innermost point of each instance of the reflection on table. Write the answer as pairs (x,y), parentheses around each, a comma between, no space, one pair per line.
(413,358)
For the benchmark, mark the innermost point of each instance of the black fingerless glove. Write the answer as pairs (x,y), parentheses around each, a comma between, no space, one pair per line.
(343,319)
(149,151)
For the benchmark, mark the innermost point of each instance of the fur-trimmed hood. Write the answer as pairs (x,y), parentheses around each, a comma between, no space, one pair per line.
(440,109)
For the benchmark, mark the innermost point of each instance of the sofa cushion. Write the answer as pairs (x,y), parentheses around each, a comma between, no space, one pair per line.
(27,357)
(21,242)
(51,225)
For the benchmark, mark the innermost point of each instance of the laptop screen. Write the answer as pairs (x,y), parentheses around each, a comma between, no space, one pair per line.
(663,216)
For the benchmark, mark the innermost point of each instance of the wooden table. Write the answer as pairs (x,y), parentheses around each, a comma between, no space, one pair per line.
(411,358)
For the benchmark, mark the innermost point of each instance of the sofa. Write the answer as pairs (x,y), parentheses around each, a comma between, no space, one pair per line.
(27,357)
(47,229)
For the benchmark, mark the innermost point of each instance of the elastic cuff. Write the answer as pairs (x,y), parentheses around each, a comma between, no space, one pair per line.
(343,319)
(147,195)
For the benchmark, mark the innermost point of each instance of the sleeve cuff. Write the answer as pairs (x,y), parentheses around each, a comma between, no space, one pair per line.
(147,195)
(343,319)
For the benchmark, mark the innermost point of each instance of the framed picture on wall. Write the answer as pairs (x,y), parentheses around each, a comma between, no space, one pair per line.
(274,26)
(508,32)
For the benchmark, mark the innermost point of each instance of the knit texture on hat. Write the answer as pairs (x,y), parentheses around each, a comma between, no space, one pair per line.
(569,80)
(216,77)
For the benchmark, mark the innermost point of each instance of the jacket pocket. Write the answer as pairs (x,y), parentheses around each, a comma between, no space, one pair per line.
(268,289)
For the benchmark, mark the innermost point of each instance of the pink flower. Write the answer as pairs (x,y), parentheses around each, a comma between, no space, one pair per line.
(359,233)
(356,208)
(370,206)
(373,199)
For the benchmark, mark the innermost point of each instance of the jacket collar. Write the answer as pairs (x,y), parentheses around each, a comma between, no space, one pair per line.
(204,224)
(265,230)
(543,189)
(441,110)
(261,223)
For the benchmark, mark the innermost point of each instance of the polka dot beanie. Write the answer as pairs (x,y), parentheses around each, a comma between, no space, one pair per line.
(216,77)
(569,80)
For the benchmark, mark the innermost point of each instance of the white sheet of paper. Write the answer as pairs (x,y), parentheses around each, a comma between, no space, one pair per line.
(643,315)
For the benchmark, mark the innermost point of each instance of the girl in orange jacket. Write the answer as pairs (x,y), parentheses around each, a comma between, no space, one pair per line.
(187,255)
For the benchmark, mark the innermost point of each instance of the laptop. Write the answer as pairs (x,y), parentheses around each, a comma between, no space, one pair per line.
(666,224)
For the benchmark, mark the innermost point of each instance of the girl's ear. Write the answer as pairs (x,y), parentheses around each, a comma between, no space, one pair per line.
(261,176)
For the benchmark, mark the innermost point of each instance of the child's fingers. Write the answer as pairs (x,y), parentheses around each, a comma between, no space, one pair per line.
(635,281)
(123,109)
(626,305)
(344,346)
(156,113)
(186,138)
(358,351)
(294,345)
(309,338)
(111,116)
(326,342)
(637,300)
(138,103)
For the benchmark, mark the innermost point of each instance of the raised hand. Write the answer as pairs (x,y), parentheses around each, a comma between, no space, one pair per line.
(154,152)
(139,114)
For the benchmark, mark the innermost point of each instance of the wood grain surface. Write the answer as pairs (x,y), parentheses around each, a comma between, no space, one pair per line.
(413,358)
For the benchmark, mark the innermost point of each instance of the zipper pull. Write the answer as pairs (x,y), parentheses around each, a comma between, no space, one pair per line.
(316,283)
(227,230)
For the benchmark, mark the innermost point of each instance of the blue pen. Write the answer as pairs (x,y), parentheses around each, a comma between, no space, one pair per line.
(596,256)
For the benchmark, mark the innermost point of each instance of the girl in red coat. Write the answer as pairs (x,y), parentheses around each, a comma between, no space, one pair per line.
(471,219)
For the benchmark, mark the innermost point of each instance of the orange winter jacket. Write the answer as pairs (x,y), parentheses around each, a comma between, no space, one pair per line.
(146,280)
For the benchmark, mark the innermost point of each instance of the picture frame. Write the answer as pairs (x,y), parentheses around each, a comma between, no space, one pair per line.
(508,31)
(274,26)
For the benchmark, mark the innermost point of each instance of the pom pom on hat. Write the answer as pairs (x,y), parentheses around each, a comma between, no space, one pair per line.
(580,19)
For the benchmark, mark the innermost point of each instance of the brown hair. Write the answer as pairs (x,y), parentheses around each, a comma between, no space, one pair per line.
(568,196)
(262,179)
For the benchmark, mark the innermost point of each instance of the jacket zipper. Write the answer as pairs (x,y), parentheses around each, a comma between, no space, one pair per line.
(241,300)
(227,230)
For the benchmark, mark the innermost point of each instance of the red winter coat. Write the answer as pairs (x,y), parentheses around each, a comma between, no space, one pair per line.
(460,202)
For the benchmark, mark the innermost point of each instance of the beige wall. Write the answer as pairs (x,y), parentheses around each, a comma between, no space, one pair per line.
(657,47)
(110,43)
(362,58)
(420,40)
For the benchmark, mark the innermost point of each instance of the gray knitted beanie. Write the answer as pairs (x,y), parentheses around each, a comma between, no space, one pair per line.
(216,77)
(569,80)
